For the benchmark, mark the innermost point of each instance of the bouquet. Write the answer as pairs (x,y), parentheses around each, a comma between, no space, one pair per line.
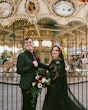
(42,79)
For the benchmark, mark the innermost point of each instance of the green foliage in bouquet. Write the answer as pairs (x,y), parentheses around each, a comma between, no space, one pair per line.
(35,92)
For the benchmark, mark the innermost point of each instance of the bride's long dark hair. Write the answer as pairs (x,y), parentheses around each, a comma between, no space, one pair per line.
(63,71)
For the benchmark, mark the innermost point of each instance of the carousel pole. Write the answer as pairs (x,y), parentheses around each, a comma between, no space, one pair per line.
(86,37)
(23,34)
(67,47)
(4,39)
(13,39)
(86,57)
(75,41)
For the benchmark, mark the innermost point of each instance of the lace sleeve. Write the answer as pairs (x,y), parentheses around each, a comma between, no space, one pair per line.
(55,69)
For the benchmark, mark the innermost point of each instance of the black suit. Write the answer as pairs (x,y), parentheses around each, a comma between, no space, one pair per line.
(26,68)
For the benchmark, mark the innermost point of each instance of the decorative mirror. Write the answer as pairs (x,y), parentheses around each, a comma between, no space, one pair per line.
(63,8)
(6,9)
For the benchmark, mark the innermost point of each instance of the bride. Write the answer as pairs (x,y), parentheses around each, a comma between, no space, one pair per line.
(59,96)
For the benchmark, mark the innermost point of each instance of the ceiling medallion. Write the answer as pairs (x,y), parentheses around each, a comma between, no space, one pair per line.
(6,9)
(32,6)
(63,8)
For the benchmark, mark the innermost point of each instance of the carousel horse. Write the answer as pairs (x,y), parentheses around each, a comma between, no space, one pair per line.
(9,66)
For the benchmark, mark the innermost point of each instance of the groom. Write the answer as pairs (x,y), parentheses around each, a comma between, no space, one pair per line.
(26,67)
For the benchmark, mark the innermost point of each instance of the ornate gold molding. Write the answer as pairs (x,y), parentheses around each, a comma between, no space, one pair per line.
(43,10)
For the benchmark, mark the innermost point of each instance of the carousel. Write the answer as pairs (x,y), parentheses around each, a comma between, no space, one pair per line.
(64,22)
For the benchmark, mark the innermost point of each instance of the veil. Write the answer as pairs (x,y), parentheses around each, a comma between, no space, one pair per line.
(67,92)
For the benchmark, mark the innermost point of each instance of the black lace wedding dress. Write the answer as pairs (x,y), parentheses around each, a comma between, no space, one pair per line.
(59,96)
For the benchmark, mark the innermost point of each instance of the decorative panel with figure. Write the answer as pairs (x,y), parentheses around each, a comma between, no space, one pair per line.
(32,6)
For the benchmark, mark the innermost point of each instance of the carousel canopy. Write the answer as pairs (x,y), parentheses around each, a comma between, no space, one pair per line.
(63,21)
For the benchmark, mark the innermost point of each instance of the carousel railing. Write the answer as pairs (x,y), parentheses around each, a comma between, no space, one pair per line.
(11,97)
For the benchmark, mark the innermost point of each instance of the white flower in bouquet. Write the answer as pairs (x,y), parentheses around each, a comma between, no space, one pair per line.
(39,85)
(33,84)
(48,81)
(37,77)
(43,80)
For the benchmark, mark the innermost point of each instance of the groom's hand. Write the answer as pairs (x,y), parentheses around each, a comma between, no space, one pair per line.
(35,63)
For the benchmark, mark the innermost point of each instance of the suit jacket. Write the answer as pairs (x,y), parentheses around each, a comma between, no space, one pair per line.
(26,69)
